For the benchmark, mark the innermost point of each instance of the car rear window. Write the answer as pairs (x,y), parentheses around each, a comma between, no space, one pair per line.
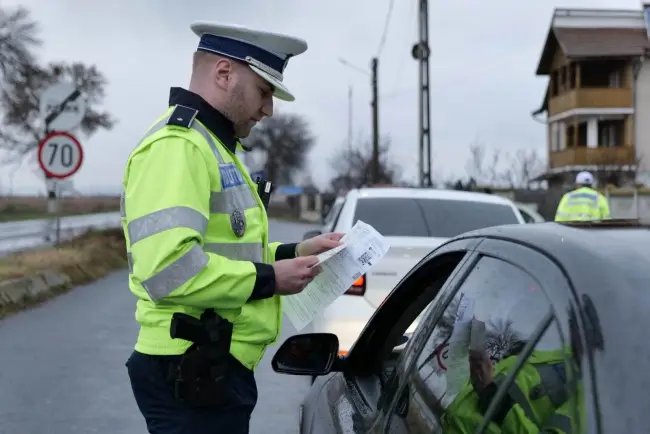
(407,217)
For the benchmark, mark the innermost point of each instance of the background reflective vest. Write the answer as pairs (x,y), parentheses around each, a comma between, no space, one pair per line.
(185,253)
(541,399)
(582,204)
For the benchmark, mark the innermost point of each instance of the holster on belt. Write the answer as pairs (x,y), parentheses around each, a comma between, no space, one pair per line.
(199,378)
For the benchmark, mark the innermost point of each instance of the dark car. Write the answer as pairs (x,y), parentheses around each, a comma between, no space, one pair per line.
(522,328)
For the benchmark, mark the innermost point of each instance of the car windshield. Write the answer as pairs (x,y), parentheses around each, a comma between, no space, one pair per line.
(421,217)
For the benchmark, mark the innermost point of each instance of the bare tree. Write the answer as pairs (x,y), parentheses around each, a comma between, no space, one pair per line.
(286,140)
(18,39)
(23,81)
(524,165)
(352,166)
(519,169)
(477,167)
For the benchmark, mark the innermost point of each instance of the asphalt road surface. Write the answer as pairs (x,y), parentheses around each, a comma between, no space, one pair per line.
(62,365)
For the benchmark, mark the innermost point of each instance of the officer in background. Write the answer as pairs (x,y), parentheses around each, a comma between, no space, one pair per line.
(584,203)
(207,280)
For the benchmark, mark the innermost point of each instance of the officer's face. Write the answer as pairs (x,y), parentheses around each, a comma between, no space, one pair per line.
(251,99)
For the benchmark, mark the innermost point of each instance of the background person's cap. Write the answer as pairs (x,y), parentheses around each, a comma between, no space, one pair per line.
(584,178)
(266,53)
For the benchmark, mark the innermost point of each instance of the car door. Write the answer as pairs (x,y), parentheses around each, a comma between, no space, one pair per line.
(354,398)
(511,290)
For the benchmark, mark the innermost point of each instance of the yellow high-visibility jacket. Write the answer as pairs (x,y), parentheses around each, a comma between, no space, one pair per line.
(195,225)
(582,204)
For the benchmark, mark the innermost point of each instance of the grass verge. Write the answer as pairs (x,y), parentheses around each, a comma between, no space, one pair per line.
(77,262)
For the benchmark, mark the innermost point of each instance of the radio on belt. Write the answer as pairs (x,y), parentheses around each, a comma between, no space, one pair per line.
(264,190)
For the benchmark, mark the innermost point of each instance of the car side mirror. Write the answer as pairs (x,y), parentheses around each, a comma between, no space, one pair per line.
(311,234)
(309,354)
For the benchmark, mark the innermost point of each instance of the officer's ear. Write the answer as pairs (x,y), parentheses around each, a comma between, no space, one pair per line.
(224,73)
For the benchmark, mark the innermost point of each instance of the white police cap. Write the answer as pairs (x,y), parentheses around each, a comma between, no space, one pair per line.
(266,53)
(584,178)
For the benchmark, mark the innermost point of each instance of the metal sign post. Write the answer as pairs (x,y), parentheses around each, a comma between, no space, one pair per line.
(63,110)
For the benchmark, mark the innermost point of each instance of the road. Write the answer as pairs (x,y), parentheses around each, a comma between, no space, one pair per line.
(62,365)
(32,233)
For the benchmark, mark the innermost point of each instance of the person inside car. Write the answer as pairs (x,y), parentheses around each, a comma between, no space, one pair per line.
(539,400)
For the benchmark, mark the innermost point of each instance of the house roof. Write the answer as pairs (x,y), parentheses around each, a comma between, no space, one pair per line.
(592,43)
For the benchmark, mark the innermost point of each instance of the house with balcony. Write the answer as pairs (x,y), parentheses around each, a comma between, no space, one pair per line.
(597,102)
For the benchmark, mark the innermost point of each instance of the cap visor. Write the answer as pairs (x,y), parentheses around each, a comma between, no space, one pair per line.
(280,90)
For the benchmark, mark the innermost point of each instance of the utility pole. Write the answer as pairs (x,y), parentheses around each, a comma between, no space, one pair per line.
(421,53)
(375,121)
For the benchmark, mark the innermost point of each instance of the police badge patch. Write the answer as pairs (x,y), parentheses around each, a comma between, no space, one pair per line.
(238,222)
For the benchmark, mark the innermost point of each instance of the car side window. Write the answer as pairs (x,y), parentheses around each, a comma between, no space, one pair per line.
(476,343)
(527,217)
(332,216)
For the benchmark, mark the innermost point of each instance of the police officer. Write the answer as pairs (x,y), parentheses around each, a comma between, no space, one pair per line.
(584,203)
(208,282)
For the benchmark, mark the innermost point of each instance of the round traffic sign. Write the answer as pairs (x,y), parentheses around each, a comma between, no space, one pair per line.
(73,112)
(60,155)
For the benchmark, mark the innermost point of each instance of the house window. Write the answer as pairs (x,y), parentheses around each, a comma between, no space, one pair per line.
(608,136)
(615,79)
(555,136)
(554,83)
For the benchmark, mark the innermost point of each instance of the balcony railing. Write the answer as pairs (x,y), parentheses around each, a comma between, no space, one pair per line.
(590,98)
(583,156)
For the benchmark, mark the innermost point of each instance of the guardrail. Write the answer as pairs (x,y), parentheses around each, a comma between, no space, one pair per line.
(27,234)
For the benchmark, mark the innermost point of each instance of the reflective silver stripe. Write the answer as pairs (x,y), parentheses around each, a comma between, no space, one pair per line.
(207,136)
(129,259)
(165,219)
(582,195)
(575,216)
(176,274)
(230,199)
(237,251)
(551,385)
(558,422)
(519,397)
(122,205)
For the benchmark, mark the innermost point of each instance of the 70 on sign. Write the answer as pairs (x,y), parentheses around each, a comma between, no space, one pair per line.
(60,155)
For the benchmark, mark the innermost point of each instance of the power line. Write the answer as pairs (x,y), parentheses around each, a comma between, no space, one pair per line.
(409,37)
(382,42)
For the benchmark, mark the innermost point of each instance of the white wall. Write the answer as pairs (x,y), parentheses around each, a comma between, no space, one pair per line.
(642,118)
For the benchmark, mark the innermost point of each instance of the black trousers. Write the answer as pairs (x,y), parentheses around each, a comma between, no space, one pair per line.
(164,414)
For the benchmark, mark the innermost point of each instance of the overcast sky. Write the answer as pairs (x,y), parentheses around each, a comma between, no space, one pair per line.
(483,83)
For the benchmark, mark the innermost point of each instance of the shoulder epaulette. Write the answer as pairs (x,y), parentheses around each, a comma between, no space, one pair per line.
(182,116)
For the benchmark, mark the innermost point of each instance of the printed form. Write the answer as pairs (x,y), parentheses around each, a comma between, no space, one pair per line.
(459,342)
(362,248)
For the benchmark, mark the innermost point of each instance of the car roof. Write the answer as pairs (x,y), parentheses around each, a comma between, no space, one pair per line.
(616,242)
(610,262)
(427,193)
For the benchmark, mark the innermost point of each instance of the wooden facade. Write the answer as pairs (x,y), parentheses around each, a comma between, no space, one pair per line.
(581,156)
(590,98)
(568,93)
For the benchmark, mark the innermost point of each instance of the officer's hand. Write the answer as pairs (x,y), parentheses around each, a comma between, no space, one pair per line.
(292,275)
(481,370)
(319,244)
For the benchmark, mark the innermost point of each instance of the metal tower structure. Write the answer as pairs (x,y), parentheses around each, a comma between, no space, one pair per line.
(421,53)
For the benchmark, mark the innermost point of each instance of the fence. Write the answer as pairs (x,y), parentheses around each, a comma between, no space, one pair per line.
(629,203)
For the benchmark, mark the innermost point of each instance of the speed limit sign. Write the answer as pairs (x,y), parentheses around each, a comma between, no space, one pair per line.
(60,155)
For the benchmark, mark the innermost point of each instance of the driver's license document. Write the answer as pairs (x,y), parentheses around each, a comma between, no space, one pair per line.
(360,250)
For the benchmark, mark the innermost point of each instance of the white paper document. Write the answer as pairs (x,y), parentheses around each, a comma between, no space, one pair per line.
(362,248)
(459,342)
